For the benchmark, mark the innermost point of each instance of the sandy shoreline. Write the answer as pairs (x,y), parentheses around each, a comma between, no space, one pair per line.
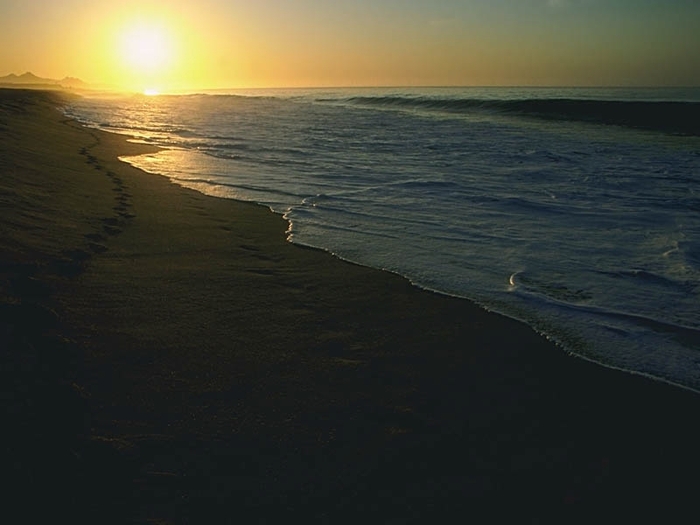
(169,358)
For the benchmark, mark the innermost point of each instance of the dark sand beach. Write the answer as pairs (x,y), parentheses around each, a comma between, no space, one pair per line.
(167,357)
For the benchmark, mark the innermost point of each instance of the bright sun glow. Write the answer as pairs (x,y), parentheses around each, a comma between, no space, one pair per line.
(147,54)
(147,48)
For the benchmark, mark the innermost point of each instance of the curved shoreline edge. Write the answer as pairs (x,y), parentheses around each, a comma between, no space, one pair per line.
(491,309)
(169,356)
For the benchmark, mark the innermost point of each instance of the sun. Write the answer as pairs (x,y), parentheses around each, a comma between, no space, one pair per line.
(146,53)
(147,47)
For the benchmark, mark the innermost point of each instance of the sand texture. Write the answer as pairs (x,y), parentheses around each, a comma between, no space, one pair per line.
(168,357)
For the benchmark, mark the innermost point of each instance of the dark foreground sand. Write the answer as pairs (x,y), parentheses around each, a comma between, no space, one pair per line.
(167,357)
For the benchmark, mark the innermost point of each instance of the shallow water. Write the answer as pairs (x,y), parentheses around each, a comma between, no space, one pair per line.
(583,222)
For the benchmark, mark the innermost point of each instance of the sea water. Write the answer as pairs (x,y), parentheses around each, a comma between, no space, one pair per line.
(576,211)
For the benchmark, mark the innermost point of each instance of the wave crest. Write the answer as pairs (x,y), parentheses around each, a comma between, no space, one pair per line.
(671,117)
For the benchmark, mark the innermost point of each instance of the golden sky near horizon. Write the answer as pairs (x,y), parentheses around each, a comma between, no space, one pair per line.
(179,44)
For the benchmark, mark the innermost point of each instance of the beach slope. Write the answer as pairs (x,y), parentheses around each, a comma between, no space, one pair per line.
(169,358)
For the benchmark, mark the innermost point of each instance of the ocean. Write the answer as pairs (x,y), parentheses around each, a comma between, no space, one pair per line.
(576,211)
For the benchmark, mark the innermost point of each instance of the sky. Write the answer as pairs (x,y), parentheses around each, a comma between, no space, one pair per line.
(198,44)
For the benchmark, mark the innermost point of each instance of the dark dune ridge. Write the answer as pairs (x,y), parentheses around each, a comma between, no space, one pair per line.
(168,358)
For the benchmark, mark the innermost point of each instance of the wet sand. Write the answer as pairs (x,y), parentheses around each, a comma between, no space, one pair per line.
(168,357)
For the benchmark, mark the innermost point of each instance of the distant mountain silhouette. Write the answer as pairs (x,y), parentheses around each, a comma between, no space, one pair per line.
(30,79)
(73,82)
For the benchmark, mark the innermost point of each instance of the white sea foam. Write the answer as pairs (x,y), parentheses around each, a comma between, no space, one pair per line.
(588,232)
